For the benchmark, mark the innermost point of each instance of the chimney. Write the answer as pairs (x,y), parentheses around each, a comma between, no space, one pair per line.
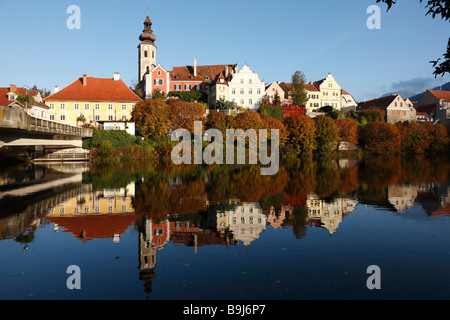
(84,80)
(12,87)
(226,72)
(116,76)
(195,67)
(56,89)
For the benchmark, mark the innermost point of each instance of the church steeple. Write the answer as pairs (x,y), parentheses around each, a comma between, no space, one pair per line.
(147,34)
(147,49)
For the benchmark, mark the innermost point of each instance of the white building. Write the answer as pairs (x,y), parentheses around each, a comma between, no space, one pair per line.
(246,89)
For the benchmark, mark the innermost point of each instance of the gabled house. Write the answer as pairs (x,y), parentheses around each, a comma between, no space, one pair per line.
(394,107)
(437,103)
(92,99)
(273,89)
(322,93)
(9,95)
(246,89)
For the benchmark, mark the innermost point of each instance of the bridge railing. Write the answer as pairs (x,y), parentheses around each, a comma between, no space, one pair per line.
(19,119)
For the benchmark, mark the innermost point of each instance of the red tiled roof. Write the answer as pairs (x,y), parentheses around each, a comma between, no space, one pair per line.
(4,101)
(209,73)
(96,89)
(441,94)
(94,226)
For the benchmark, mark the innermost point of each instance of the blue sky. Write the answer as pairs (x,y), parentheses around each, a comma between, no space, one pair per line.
(275,38)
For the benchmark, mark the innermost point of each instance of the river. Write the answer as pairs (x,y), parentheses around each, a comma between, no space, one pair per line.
(376,228)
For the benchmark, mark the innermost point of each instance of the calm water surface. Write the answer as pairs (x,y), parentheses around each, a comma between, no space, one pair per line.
(187,233)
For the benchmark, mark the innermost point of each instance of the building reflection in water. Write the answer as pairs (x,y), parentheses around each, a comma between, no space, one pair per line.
(107,213)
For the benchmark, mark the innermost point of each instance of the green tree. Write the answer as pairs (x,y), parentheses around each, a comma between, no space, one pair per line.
(298,91)
(276,99)
(26,100)
(327,134)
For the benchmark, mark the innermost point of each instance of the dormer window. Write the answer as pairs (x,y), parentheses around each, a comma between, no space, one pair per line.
(11,97)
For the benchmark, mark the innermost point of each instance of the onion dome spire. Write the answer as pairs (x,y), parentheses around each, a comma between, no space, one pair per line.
(147,34)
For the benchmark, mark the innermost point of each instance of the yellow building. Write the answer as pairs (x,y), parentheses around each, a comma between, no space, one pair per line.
(89,100)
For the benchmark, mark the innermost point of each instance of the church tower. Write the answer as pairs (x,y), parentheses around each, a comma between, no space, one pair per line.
(147,49)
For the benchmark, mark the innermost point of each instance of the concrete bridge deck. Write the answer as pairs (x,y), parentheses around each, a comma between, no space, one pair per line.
(18,129)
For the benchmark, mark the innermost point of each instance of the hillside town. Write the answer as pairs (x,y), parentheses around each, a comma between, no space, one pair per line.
(107,103)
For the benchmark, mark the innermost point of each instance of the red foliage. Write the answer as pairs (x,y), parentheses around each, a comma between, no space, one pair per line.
(289,111)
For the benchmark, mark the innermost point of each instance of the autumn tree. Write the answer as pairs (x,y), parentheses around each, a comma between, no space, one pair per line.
(219,120)
(183,114)
(380,137)
(248,120)
(298,91)
(348,132)
(152,118)
(271,123)
(441,139)
(301,131)
(327,134)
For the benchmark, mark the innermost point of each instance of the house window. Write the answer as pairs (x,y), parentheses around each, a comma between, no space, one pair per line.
(52,106)
(250,101)
(62,106)
(159,72)
(198,86)
(97,106)
(242,81)
(76,106)
(52,117)
(110,117)
(258,91)
(159,82)
(97,117)
(250,91)
(124,107)
(242,90)
(233,91)
(11,97)
(187,87)
(177,87)
(86,106)
(110,106)
(250,81)
(145,54)
(62,117)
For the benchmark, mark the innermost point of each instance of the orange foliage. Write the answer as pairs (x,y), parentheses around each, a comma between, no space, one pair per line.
(183,114)
(380,138)
(152,117)
(348,131)
(301,133)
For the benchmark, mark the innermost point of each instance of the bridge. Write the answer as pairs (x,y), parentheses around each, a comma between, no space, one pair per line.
(19,129)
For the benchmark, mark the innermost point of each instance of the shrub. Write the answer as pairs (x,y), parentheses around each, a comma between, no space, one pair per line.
(380,137)
(271,111)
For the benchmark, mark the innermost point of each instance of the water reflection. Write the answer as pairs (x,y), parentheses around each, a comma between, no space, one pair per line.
(204,206)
